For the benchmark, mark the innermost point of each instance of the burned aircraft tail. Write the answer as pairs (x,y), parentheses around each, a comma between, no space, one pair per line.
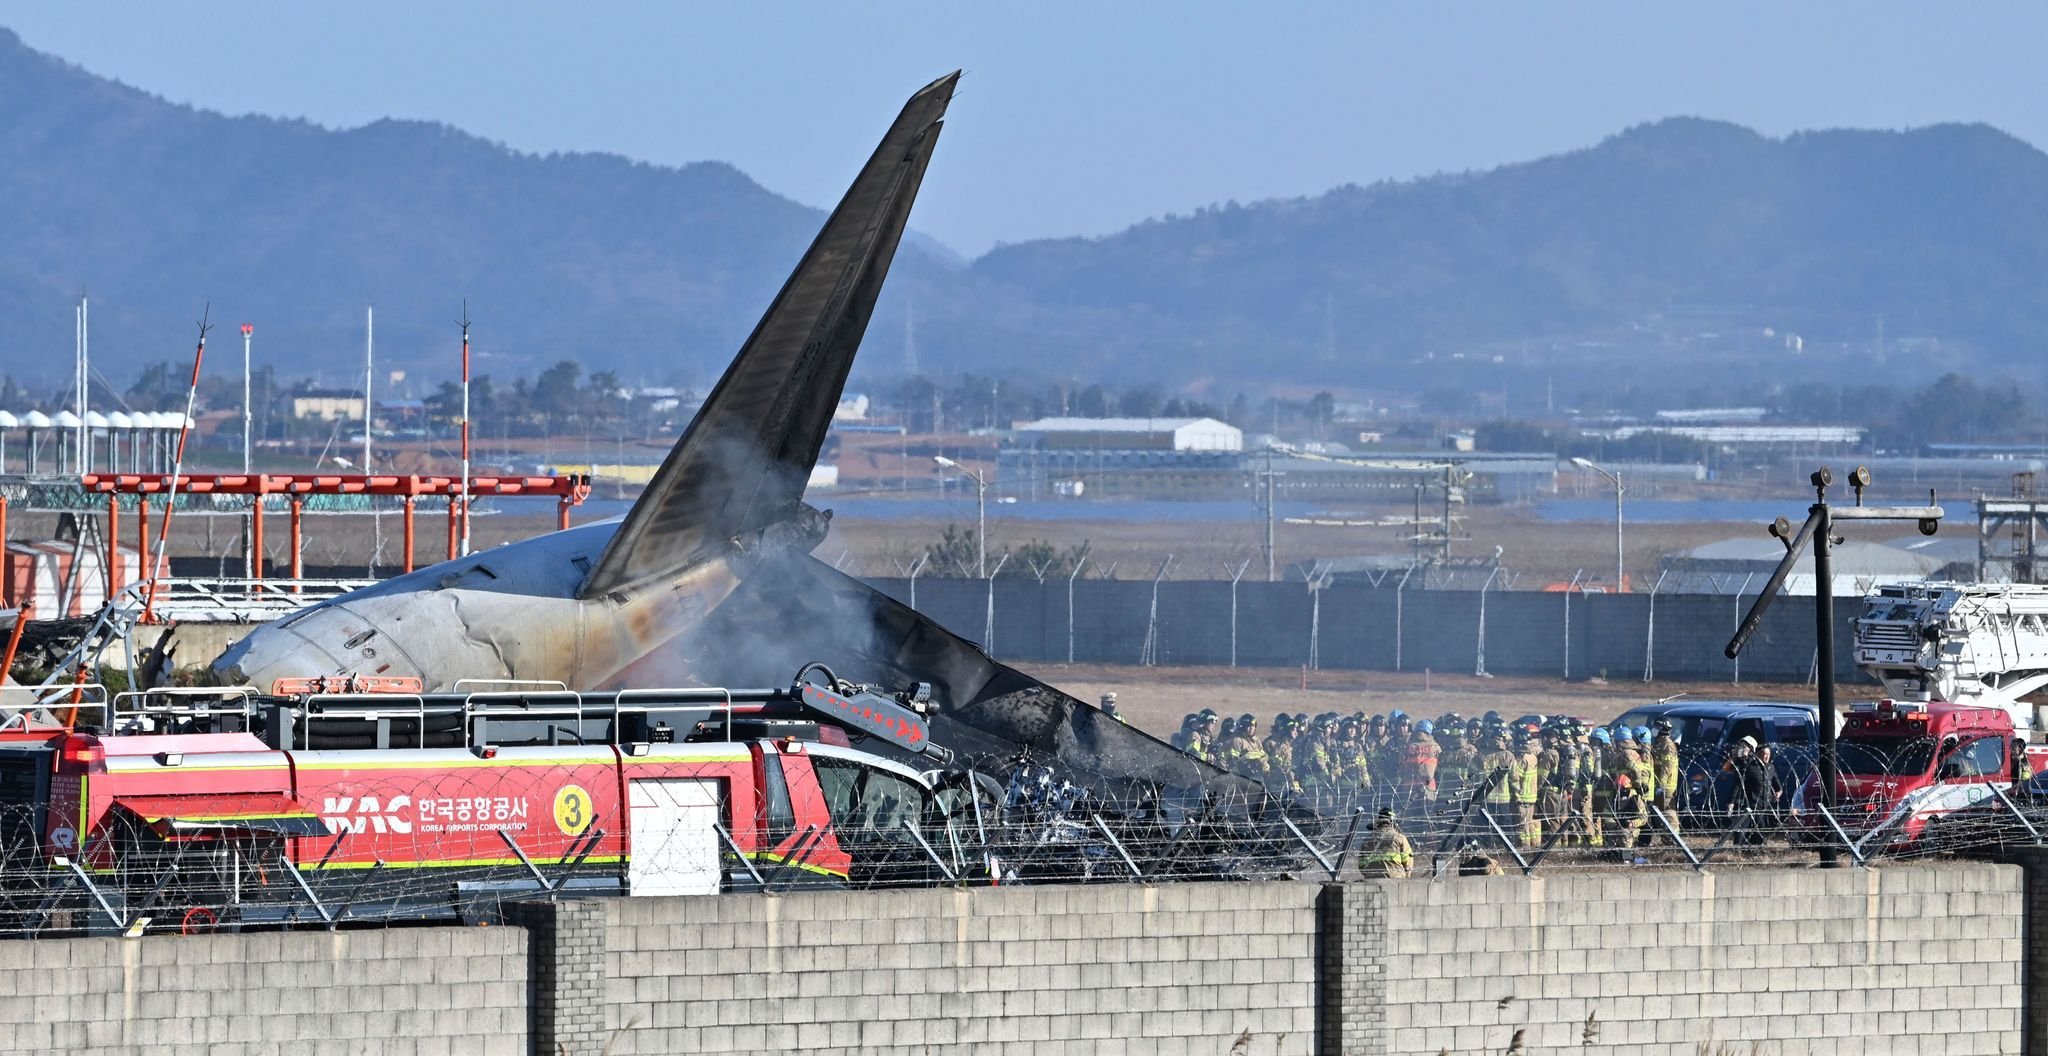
(742,465)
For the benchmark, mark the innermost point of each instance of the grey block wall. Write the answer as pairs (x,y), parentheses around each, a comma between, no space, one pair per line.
(1110,969)
(1907,959)
(442,991)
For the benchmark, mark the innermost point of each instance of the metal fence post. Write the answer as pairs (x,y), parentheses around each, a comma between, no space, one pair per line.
(1738,622)
(1071,576)
(1479,668)
(1236,575)
(1650,638)
(1148,656)
(988,627)
(914,570)
(1315,581)
(1398,588)
(1569,587)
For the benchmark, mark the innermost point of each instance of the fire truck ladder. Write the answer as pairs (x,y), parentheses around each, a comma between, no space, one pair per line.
(1984,644)
(538,713)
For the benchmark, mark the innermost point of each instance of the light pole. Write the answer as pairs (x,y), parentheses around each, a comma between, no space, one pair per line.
(248,417)
(980,512)
(1583,463)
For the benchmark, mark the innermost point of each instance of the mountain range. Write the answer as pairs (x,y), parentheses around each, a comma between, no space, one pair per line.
(1657,243)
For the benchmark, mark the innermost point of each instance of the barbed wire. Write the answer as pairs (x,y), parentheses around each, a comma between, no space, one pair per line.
(387,853)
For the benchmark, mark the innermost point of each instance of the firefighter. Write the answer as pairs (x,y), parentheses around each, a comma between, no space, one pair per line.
(2022,767)
(1598,782)
(1109,706)
(1223,749)
(1553,778)
(1389,752)
(1316,768)
(1354,774)
(1628,761)
(1664,766)
(1648,789)
(1497,767)
(1458,768)
(1522,775)
(1186,739)
(1247,758)
(1279,777)
(1389,854)
(1628,812)
(1581,774)
(1416,778)
(1211,736)
(1371,733)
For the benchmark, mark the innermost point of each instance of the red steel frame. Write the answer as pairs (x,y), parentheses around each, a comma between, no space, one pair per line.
(567,491)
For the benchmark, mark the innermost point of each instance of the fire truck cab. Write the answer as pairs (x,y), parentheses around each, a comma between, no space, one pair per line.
(1901,765)
(186,812)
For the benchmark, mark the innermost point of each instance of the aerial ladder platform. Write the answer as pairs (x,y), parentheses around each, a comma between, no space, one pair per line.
(1980,644)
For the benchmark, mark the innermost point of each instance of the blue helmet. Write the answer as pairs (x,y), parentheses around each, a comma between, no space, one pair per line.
(1600,735)
(1425,726)
(1624,735)
(1643,734)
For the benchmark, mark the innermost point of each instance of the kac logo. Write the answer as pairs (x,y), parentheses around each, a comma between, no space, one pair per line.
(368,814)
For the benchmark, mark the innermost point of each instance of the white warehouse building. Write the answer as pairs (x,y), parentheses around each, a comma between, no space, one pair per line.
(1130,434)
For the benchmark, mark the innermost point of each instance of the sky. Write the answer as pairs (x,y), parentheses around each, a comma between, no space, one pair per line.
(1073,119)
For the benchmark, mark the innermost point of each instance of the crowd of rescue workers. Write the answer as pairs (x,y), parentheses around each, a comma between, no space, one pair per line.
(1542,781)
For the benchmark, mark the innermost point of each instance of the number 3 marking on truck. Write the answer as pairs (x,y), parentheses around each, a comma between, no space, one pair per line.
(572,810)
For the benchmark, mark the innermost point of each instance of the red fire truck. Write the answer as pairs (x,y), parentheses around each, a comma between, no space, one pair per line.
(1903,765)
(319,805)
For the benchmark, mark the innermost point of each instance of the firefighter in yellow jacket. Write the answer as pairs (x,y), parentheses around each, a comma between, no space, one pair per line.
(1664,764)
(1388,854)
(1524,778)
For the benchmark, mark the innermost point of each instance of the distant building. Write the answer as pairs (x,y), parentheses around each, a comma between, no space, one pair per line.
(1752,435)
(1130,434)
(320,406)
(1742,566)
(1714,415)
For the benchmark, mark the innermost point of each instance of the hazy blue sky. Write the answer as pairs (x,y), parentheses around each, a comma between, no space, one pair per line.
(1074,118)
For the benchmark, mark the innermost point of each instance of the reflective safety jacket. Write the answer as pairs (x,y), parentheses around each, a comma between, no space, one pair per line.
(1500,763)
(1419,764)
(1522,777)
(1388,855)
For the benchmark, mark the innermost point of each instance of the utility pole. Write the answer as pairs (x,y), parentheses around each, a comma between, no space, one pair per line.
(369,379)
(980,512)
(84,382)
(248,413)
(465,430)
(1819,530)
(1267,484)
(1615,478)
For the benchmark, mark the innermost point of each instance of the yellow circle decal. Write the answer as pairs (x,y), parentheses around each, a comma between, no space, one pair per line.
(572,810)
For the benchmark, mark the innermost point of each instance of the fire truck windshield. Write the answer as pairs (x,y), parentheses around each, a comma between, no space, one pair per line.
(1871,754)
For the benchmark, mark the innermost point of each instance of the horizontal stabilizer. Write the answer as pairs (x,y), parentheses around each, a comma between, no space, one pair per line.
(743,463)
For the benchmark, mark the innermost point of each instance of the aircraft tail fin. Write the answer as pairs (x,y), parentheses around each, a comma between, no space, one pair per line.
(744,461)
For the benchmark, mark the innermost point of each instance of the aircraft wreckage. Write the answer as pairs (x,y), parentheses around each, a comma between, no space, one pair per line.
(708,579)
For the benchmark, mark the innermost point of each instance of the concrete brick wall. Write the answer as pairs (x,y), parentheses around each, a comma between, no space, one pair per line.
(353,993)
(1906,959)
(1176,970)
